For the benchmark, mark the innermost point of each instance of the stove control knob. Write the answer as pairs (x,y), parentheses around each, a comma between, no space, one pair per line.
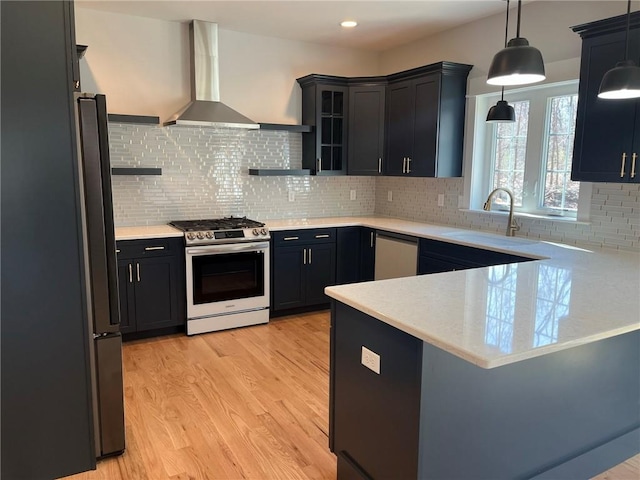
(263,231)
(209,234)
(200,235)
(190,236)
(255,232)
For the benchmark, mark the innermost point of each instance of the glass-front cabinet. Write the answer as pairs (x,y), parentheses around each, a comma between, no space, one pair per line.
(324,107)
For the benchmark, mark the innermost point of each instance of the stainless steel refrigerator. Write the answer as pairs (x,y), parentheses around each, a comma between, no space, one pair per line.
(101,274)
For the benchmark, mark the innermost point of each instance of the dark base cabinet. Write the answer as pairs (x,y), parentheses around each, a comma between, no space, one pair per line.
(355,255)
(432,415)
(303,264)
(436,257)
(151,284)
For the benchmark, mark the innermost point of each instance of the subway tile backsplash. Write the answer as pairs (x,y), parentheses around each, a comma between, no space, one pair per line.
(614,221)
(205,175)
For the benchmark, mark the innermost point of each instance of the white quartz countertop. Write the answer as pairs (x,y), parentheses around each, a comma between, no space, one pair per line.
(489,316)
(143,233)
(503,314)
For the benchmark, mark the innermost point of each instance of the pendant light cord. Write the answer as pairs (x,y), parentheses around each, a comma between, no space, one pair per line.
(626,43)
(506,35)
(506,28)
(518,24)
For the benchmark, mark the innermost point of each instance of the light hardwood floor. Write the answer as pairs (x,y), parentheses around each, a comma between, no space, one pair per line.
(244,403)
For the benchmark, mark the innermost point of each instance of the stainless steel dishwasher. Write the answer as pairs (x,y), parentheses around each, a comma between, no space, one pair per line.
(396,256)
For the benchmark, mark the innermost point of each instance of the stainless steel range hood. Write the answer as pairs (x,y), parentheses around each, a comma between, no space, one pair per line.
(205,108)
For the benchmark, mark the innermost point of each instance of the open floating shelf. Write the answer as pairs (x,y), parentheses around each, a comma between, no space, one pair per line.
(135,171)
(287,128)
(278,172)
(139,119)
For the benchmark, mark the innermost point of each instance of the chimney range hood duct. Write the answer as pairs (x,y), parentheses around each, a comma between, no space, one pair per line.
(205,108)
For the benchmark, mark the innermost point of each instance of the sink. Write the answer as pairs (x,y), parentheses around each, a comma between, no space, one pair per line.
(490,239)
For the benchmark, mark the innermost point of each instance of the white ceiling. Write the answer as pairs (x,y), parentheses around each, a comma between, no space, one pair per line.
(381,24)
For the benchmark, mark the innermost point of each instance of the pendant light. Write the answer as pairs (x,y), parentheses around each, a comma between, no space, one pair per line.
(502,111)
(518,63)
(622,81)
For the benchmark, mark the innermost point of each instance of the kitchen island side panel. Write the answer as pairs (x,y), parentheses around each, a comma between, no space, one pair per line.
(573,411)
(374,417)
(574,408)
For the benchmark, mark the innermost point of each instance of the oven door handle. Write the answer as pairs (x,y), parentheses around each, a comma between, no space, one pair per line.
(219,249)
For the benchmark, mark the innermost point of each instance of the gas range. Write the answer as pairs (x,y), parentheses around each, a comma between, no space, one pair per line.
(222,230)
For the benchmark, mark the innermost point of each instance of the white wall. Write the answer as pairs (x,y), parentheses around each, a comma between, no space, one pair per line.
(142,65)
(546,24)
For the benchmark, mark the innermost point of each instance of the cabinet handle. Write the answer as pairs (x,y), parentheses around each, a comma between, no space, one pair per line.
(380,165)
(404,164)
(371,239)
(130,273)
(624,160)
(138,271)
(634,157)
(117,250)
(148,249)
(408,164)
(304,256)
(322,236)
(290,238)
(319,161)
(309,256)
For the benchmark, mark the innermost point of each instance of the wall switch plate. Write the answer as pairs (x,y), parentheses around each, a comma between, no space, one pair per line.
(441,199)
(389,196)
(460,201)
(371,360)
(292,196)
(352,194)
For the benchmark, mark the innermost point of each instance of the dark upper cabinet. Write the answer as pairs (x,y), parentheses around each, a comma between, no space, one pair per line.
(151,284)
(325,103)
(408,123)
(399,122)
(366,129)
(607,139)
(425,121)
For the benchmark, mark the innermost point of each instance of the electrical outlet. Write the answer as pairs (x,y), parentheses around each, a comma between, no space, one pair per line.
(441,199)
(389,196)
(460,201)
(352,194)
(371,360)
(292,196)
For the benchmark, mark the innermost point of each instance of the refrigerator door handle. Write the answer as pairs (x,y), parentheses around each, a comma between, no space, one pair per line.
(110,238)
(98,219)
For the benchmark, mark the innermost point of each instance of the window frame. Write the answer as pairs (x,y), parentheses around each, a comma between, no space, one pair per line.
(482,168)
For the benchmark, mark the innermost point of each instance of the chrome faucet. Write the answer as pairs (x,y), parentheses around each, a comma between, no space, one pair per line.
(512,227)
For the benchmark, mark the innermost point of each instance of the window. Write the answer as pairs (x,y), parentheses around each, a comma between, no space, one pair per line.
(532,156)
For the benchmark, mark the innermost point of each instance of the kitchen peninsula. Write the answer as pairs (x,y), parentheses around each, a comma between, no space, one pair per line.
(526,370)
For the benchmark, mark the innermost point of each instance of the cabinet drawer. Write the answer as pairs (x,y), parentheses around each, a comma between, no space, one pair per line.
(304,236)
(149,248)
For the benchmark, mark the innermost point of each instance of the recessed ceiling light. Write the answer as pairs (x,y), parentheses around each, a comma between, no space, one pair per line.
(349,24)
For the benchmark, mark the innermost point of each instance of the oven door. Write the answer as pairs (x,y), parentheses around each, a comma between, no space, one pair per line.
(223,279)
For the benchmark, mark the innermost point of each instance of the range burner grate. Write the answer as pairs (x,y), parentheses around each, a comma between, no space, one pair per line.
(227,223)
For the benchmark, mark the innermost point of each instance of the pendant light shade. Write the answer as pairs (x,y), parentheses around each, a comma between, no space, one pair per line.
(501,112)
(622,81)
(518,63)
